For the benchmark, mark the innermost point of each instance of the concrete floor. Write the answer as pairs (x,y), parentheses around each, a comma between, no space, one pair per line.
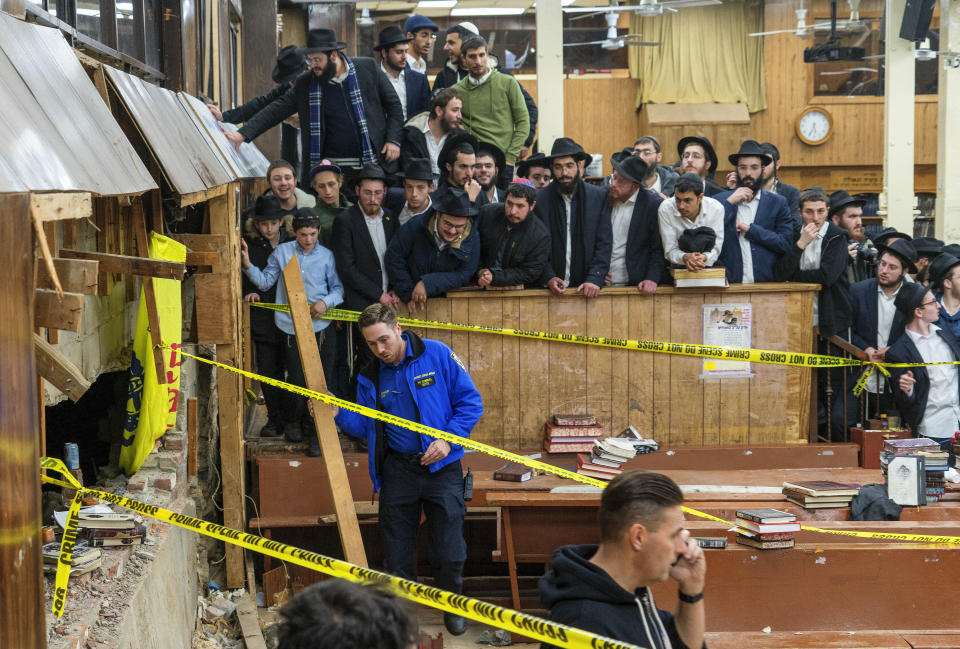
(431,622)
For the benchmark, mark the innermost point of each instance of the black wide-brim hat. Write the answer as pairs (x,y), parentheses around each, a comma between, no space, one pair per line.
(909,297)
(454,139)
(750,149)
(699,239)
(417,169)
(707,148)
(904,250)
(454,202)
(886,233)
(389,37)
(632,168)
(536,160)
(492,150)
(621,155)
(322,40)
(267,208)
(841,199)
(369,172)
(928,246)
(565,147)
(290,63)
(940,266)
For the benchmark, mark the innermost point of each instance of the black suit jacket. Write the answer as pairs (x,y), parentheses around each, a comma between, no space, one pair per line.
(418,92)
(644,253)
(904,351)
(380,104)
(357,263)
(863,299)
(792,194)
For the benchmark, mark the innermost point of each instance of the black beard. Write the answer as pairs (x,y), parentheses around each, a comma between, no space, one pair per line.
(488,186)
(329,71)
(748,182)
(567,187)
(395,68)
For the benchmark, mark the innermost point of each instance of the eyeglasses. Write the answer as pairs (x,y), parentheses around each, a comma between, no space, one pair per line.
(923,304)
(450,227)
(314,60)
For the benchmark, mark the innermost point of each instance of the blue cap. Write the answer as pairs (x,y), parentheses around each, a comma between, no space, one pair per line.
(416,21)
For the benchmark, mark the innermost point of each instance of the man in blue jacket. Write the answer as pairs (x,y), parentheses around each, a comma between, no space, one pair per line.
(758,227)
(423,381)
(434,251)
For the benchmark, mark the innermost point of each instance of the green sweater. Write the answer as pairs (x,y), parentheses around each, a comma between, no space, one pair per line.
(327,214)
(495,112)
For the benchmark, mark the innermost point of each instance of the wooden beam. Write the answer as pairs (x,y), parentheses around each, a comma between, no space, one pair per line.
(323,417)
(205,243)
(149,296)
(76,275)
(127,265)
(192,437)
(201,196)
(249,623)
(59,370)
(215,324)
(54,312)
(61,206)
(203,258)
(45,251)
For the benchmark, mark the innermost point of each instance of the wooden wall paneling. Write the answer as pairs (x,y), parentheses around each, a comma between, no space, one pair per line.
(768,387)
(711,390)
(800,338)
(460,343)
(484,357)
(599,383)
(259,46)
(510,404)
(438,310)
(535,389)
(294,26)
(174,47)
(662,405)
(640,366)
(735,406)
(338,16)
(568,363)
(619,364)
(686,386)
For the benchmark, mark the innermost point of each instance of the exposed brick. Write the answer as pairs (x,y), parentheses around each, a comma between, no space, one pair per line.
(137,483)
(150,462)
(173,441)
(112,566)
(166,482)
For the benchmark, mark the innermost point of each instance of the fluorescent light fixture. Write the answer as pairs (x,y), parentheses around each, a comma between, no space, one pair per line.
(436,4)
(487,11)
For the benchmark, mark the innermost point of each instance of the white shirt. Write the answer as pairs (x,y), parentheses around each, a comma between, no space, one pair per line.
(479,81)
(567,200)
(400,86)
(620,217)
(672,225)
(942,413)
(379,237)
(810,260)
(418,66)
(406,213)
(885,313)
(746,213)
(433,147)
(657,186)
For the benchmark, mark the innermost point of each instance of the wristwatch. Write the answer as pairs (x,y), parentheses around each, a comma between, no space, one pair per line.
(689,599)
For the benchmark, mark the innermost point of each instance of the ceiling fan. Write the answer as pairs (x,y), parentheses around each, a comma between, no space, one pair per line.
(643,8)
(614,41)
(853,24)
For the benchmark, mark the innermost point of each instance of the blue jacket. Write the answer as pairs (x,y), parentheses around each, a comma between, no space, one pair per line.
(947,321)
(770,235)
(413,256)
(444,394)
(863,302)
(418,92)
(904,351)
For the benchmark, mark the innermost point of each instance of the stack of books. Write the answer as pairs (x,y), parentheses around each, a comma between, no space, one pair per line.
(715,276)
(931,462)
(105,530)
(641,444)
(820,494)
(571,434)
(85,558)
(934,466)
(766,528)
(606,458)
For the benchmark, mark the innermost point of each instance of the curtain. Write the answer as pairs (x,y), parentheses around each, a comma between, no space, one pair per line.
(704,55)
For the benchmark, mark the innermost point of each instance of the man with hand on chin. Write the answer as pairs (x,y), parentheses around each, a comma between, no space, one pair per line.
(605,588)
(424,381)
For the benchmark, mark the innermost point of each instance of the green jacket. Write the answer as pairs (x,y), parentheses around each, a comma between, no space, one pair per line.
(495,112)
(327,214)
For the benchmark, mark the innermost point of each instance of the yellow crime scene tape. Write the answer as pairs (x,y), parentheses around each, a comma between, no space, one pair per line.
(474,609)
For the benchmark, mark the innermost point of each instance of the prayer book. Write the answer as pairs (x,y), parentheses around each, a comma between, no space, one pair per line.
(821,488)
(513,472)
(683,278)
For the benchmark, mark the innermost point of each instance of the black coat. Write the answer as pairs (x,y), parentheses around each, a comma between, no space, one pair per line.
(418,92)
(245,111)
(380,103)
(357,264)
(912,407)
(527,247)
(597,235)
(644,253)
(834,307)
(262,324)
(792,194)
(863,303)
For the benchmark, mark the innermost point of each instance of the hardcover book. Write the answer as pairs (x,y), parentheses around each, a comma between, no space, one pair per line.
(822,488)
(765,515)
(765,545)
(769,527)
(574,420)
(581,447)
(513,472)
(552,430)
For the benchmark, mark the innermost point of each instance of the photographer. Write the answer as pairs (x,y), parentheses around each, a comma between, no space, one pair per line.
(846,212)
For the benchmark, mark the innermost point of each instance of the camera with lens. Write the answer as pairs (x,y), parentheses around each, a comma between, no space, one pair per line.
(867,253)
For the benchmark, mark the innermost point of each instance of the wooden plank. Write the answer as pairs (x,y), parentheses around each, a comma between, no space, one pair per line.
(59,370)
(510,376)
(205,243)
(274,583)
(640,370)
(807,640)
(192,436)
(76,275)
(42,240)
(768,388)
(323,417)
(711,390)
(686,114)
(127,265)
(599,361)
(203,258)
(619,364)
(566,387)
(686,386)
(202,196)
(215,324)
(61,206)
(662,365)
(53,312)
(485,359)
(149,296)
(533,402)
(249,623)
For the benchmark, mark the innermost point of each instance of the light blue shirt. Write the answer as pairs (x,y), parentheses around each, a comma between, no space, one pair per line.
(319,274)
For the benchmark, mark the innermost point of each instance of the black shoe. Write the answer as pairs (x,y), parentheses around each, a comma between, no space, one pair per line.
(314,449)
(455,624)
(292,431)
(271,429)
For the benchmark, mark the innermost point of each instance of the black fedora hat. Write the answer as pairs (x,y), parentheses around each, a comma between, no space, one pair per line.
(952,249)
(455,139)
(290,63)
(699,239)
(707,148)
(455,202)
(389,37)
(369,172)
(909,297)
(485,148)
(621,155)
(887,233)
(536,160)
(750,149)
(267,208)
(841,199)
(904,250)
(417,169)
(564,147)
(928,246)
(633,168)
(322,40)
(940,266)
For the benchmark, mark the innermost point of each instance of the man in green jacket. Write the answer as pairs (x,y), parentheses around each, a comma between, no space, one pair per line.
(493,107)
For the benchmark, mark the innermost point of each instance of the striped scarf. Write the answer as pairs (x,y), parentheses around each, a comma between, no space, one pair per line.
(359,116)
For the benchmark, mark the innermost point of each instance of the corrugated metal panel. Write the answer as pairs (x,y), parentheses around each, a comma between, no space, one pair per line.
(247,163)
(186,158)
(56,133)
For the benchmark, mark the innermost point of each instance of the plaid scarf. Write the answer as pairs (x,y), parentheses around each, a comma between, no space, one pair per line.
(360,118)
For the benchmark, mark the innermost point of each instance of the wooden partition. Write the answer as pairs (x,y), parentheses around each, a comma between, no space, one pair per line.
(524,381)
